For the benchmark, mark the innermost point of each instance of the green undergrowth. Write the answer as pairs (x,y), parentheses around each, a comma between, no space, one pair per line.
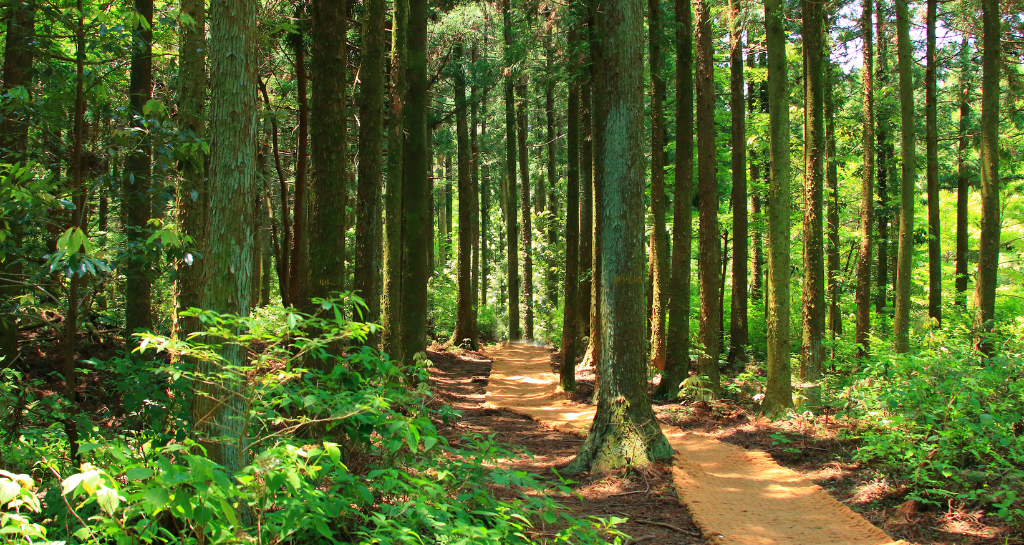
(349,453)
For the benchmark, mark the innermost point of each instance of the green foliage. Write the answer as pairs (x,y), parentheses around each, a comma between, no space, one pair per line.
(343,452)
(944,422)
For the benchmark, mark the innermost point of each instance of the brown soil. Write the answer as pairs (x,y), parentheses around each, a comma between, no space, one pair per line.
(644,496)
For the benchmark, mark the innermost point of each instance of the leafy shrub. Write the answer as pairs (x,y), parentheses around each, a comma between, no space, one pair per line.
(341,451)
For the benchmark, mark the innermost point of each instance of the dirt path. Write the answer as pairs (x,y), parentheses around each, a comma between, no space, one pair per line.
(736,496)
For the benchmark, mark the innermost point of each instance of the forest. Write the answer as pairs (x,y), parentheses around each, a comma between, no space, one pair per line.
(512,271)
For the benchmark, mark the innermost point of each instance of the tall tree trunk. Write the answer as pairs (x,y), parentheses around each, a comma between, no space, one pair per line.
(328,187)
(219,406)
(988,251)
(369,208)
(932,138)
(908,145)
(416,188)
(570,326)
(138,170)
(394,221)
(598,77)
(527,227)
(813,348)
(835,313)
(474,181)
(677,352)
(192,196)
(13,144)
(707,194)
(659,236)
(757,261)
(281,246)
(464,333)
(862,294)
(300,296)
(883,159)
(738,329)
(511,203)
(962,180)
(485,209)
(778,390)
(586,209)
(551,271)
(625,431)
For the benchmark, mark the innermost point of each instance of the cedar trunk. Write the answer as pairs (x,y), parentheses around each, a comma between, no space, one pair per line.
(908,180)
(988,252)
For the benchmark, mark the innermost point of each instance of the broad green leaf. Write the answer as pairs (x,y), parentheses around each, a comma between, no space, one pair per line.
(108,499)
(139,473)
(8,491)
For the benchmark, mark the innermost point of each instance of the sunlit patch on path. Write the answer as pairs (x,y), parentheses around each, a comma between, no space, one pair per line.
(737,496)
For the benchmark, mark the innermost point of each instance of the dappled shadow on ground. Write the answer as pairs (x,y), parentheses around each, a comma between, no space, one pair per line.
(644,496)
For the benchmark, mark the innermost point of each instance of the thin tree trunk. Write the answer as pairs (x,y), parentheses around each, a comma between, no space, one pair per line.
(962,180)
(835,314)
(219,406)
(659,258)
(551,274)
(883,159)
(677,351)
(862,294)
(988,251)
(464,333)
(570,327)
(707,191)
(369,208)
(527,227)
(281,248)
(756,237)
(511,203)
(138,170)
(932,139)
(474,180)
(394,221)
(598,106)
(908,160)
(738,328)
(778,390)
(586,210)
(299,293)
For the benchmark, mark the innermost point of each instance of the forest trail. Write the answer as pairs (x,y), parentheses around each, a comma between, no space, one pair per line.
(736,496)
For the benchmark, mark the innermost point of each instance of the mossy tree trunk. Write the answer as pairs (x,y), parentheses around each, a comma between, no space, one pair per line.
(908,160)
(394,221)
(738,327)
(778,390)
(659,236)
(862,295)
(625,431)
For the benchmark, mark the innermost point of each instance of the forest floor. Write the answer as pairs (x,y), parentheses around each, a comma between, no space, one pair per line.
(812,448)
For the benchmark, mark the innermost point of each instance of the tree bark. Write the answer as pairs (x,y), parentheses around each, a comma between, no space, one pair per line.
(677,352)
(511,203)
(586,210)
(598,107)
(862,293)
(932,139)
(220,401)
(300,295)
(813,348)
(659,236)
(835,313)
(328,187)
(17,67)
(707,193)
(570,325)
(738,328)
(778,390)
(625,431)
(883,157)
(464,333)
(908,159)
(395,222)
(416,188)
(962,181)
(551,271)
(527,227)
(988,251)
(138,171)
(366,278)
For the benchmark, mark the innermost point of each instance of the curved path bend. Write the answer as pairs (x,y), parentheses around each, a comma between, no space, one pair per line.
(736,496)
